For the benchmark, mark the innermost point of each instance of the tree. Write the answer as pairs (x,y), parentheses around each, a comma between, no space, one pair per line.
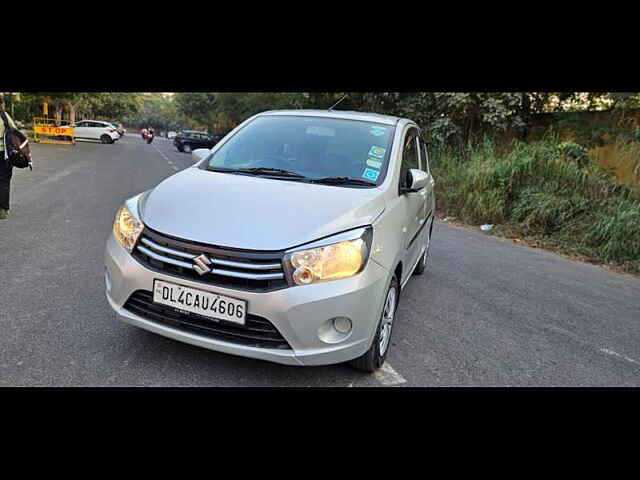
(221,111)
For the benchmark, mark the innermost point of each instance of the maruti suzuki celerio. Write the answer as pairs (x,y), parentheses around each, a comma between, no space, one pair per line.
(289,241)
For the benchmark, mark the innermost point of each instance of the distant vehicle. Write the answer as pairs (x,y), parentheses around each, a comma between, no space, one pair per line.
(96,130)
(171,135)
(188,140)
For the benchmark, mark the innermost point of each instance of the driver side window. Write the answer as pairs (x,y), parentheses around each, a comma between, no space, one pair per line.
(410,158)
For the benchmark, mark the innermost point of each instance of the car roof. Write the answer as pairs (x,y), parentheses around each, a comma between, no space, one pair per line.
(349,115)
(192,131)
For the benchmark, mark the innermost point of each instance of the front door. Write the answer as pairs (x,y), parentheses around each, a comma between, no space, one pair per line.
(94,130)
(415,201)
(430,204)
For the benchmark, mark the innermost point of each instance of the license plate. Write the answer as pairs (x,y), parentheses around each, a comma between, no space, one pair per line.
(207,304)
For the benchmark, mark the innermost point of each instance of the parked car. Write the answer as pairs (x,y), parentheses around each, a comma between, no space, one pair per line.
(188,140)
(95,130)
(171,135)
(289,241)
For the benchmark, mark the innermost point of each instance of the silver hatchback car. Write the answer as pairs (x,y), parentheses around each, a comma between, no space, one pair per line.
(289,241)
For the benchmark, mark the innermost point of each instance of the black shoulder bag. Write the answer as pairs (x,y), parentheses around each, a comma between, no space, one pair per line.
(16,146)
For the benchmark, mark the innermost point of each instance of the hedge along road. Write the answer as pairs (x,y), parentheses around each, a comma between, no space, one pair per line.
(486,312)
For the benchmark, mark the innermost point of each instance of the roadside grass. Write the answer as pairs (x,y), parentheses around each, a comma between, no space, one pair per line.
(631,150)
(548,193)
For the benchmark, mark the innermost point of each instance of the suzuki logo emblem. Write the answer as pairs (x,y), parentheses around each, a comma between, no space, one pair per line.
(201,264)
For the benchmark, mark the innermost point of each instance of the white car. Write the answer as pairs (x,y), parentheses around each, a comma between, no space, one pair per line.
(95,130)
(171,135)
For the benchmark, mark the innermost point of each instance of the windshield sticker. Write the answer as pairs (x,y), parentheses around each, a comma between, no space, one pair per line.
(321,131)
(377,131)
(377,151)
(372,162)
(370,174)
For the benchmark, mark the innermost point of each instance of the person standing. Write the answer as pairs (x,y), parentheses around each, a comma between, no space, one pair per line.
(6,171)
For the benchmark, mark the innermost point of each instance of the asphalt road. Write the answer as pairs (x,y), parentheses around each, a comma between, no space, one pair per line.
(487,312)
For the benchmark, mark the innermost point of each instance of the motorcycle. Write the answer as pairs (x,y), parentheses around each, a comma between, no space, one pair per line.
(149,137)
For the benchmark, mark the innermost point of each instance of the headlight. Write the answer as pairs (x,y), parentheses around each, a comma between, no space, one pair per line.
(127,228)
(343,256)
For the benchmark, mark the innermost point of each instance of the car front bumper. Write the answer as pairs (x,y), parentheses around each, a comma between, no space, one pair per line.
(302,314)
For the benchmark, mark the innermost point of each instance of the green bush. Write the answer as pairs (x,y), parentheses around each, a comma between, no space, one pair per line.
(546,211)
(616,233)
(547,190)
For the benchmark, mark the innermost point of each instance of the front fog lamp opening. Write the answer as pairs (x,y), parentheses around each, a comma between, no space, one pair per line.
(342,324)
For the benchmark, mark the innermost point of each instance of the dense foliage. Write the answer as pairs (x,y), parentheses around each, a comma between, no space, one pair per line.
(547,191)
(104,105)
(456,117)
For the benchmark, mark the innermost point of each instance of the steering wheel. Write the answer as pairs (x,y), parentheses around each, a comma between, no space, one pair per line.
(279,161)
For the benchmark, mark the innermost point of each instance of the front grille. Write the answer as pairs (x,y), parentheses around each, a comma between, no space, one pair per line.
(237,269)
(257,331)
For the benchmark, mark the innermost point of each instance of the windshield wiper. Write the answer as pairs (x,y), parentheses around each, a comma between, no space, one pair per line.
(342,181)
(279,172)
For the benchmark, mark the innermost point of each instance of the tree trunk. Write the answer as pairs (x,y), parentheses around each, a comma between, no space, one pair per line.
(59,107)
(72,114)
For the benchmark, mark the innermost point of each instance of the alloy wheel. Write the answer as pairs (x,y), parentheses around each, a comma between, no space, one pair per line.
(387,320)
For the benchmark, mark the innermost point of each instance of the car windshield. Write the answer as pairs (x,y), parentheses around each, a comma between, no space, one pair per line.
(324,150)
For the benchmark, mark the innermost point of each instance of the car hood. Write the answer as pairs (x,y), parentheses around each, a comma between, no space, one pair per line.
(254,213)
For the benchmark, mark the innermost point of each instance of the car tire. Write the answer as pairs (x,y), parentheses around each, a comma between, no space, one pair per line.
(422,264)
(373,359)
(186,148)
(106,139)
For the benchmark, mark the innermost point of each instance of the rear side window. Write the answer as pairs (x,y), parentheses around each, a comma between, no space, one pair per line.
(424,155)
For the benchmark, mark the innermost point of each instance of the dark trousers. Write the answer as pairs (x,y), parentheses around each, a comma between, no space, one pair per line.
(5,182)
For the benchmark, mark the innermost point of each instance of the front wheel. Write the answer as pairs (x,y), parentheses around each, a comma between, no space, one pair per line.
(373,359)
(106,139)
(186,148)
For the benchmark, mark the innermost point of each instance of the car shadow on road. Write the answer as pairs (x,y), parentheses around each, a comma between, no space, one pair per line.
(162,361)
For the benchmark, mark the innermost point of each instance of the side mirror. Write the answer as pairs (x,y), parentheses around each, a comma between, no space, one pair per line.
(199,153)
(416,179)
